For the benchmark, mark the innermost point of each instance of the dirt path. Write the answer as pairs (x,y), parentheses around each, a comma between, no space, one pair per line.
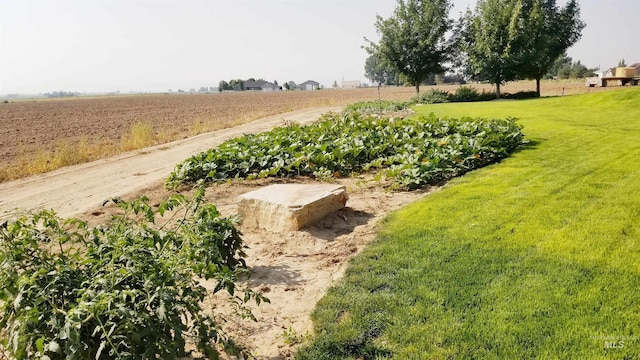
(76,189)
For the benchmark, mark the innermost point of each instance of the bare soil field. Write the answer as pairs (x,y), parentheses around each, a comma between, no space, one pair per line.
(30,128)
(93,128)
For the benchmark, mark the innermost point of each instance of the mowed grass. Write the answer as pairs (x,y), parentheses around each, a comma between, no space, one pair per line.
(537,256)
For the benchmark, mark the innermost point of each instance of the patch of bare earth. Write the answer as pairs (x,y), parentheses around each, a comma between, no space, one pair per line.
(293,269)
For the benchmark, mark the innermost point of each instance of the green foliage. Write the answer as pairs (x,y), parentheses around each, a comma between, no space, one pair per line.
(465,94)
(125,290)
(291,337)
(506,40)
(412,152)
(376,107)
(565,68)
(432,96)
(223,85)
(547,32)
(521,95)
(468,94)
(462,94)
(412,40)
(375,70)
(489,37)
(534,257)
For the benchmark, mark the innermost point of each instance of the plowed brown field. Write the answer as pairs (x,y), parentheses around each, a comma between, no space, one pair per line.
(32,131)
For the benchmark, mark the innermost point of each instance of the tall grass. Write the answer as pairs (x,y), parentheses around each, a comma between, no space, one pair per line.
(65,153)
(534,257)
(138,136)
(68,152)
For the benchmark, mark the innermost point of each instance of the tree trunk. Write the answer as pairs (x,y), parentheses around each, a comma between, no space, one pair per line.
(379,100)
(498,90)
(538,86)
(417,87)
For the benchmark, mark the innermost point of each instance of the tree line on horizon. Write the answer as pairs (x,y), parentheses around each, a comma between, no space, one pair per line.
(498,41)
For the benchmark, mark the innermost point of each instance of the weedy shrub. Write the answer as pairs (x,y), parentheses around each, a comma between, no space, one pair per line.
(520,95)
(125,290)
(469,94)
(377,107)
(411,152)
(464,94)
(432,96)
(139,135)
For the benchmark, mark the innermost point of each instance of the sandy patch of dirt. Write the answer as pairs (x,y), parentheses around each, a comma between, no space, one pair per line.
(294,269)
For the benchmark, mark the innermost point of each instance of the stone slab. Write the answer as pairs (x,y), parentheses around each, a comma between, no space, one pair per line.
(290,207)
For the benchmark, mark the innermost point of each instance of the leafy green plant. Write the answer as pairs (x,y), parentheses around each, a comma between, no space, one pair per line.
(291,337)
(520,95)
(377,107)
(127,289)
(432,96)
(469,94)
(411,152)
(464,93)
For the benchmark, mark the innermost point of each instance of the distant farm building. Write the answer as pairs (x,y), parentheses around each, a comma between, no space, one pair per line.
(261,85)
(309,85)
(351,84)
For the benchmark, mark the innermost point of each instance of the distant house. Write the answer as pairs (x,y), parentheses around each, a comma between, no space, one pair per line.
(309,85)
(351,84)
(636,66)
(261,85)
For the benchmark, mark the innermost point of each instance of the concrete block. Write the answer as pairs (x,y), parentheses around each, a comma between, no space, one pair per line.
(290,207)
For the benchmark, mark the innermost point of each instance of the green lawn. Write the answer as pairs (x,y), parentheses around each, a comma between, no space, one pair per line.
(537,256)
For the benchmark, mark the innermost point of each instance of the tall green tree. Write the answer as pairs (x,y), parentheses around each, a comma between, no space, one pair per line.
(560,64)
(412,40)
(547,32)
(236,84)
(490,39)
(376,71)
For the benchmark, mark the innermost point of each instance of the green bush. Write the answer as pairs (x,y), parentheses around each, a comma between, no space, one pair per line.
(464,94)
(521,95)
(469,94)
(376,107)
(125,290)
(432,96)
(411,152)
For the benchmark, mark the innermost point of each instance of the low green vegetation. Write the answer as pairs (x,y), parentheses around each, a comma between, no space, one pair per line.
(128,289)
(412,152)
(534,257)
(433,96)
(377,107)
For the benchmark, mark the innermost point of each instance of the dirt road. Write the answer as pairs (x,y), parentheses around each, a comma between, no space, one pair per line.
(76,189)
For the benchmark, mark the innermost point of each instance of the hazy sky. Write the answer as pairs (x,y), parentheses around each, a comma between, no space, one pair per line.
(134,45)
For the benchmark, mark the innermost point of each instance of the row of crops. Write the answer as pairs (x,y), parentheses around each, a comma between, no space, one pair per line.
(411,152)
